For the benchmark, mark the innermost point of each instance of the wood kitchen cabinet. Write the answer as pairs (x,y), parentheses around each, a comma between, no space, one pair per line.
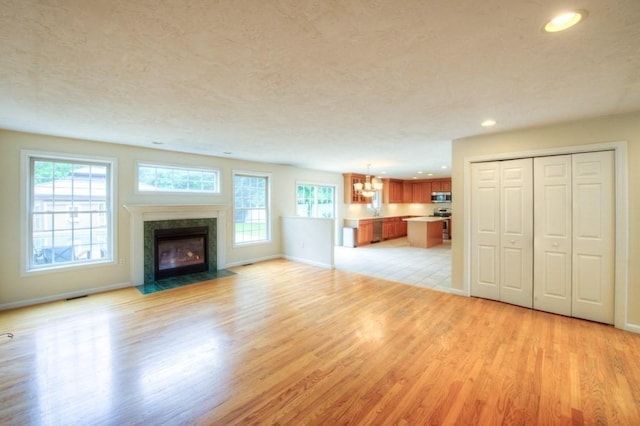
(392,191)
(365,232)
(407,191)
(393,227)
(350,195)
(441,185)
(421,192)
(396,190)
(387,229)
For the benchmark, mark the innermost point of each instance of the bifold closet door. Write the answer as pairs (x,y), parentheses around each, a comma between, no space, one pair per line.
(574,235)
(502,235)
(593,236)
(516,232)
(553,240)
(485,230)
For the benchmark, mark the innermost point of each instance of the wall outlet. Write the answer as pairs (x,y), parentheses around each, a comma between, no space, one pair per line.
(121,261)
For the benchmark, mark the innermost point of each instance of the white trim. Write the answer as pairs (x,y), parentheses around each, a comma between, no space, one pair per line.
(141,213)
(63,296)
(308,262)
(621,303)
(634,328)
(25,200)
(450,290)
(246,262)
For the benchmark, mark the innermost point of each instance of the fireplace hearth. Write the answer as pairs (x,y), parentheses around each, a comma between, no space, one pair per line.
(180,251)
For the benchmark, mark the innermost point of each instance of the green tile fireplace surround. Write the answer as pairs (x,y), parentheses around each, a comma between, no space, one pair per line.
(148,240)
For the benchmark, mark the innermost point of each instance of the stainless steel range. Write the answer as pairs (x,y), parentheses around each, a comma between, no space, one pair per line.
(442,212)
(446,224)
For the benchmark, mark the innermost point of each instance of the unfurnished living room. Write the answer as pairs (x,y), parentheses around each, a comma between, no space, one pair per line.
(319,212)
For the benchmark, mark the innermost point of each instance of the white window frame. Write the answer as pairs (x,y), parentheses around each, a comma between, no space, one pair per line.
(27,266)
(214,191)
(316,184)
(268,212)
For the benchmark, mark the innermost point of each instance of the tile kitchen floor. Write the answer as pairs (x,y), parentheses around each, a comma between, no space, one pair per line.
(395,260)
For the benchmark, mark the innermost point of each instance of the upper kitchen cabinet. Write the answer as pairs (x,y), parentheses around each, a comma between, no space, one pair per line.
(392,191)
(350,195)
(441,185)
(396,190)
(421,192)
(407,191)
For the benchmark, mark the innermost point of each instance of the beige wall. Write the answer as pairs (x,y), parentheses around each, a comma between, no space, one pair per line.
(16,289)
(617,128)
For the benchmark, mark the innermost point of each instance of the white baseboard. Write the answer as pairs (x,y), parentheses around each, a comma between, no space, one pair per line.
(309,262)
(634,328)
(249,261)
(62,296)
(453,291)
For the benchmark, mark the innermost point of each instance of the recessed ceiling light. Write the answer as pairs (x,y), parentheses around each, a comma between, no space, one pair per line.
(415,177)
(383,172)
(227,153)
(564,21)
(488,123)
(429,174)
(157,142)
(443,167)
(419,173)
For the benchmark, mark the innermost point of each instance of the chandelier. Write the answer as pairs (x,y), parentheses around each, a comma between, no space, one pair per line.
(370,185)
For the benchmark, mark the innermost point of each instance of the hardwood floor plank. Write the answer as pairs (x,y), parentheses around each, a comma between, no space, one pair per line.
(288,343)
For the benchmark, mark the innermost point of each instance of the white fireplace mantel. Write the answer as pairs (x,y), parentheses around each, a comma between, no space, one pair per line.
(141,213)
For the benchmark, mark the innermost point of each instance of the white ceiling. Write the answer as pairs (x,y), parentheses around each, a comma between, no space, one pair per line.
(329,85)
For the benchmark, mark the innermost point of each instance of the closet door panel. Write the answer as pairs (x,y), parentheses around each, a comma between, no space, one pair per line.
(552,234)
(485,230)
(516,239)
(593,236)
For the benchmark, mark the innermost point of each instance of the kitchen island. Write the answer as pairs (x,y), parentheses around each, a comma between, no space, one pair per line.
(424,231)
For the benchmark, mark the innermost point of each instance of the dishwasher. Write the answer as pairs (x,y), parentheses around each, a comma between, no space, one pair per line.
(377,231)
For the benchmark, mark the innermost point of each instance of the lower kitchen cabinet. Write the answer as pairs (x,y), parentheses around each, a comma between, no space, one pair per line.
(365,232)
(390,228)
(393,227)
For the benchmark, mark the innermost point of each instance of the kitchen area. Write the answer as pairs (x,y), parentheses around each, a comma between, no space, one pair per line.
(401,233)
(417,209)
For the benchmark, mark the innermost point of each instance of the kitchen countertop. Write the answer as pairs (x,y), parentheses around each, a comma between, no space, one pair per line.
(375,217)
(427,219)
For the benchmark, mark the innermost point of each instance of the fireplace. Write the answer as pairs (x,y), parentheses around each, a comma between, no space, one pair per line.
(171,231)
(180,251)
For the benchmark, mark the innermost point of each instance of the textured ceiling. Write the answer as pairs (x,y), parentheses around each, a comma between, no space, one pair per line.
(329,85)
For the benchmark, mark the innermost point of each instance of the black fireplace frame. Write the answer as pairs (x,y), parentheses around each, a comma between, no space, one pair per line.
(180,234)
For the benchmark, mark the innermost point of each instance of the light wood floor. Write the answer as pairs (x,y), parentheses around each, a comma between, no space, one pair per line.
(287,343)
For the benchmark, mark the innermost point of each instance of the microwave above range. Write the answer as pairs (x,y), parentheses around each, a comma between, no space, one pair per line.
(441,197)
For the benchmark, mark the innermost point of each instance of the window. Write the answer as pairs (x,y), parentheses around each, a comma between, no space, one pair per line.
(70,211)
(251,207)
(315,200)
(159,178)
